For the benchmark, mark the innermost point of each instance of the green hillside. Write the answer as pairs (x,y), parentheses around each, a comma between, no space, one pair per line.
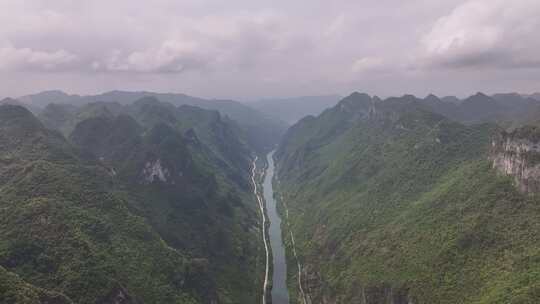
(390,203)
(15,290)
(197,199)
(121,213)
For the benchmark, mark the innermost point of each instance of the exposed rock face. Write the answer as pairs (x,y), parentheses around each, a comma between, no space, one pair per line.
(518,154)
(155,171)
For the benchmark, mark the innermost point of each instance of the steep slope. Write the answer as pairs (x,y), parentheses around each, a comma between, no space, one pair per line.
(64,117)
(391,203)
(197,197)
(14,290)
(15,102)
(61,117)
(517,154)
(63,229)
(227,141)
(125,216)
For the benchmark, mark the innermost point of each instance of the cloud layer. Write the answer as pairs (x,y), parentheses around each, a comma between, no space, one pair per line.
(248,49)
(27,59)
(487,33)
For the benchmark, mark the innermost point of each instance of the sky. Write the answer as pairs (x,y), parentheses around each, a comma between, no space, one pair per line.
(245,49)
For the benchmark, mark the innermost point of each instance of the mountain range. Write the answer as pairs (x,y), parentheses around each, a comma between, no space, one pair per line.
(391,202)
(141,197)
(149,203)
(261,129)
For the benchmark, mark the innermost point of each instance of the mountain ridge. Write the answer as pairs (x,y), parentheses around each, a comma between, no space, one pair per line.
(122,212)
(400,204)
(257,125)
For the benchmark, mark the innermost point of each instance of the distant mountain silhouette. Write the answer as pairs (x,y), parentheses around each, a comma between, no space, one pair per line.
(262,130)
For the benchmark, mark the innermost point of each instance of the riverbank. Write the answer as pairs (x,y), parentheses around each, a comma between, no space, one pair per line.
(297,292)
(262,209)
(280,293)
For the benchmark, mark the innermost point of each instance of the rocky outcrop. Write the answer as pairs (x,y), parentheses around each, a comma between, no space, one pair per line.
(517,154)
(154,171)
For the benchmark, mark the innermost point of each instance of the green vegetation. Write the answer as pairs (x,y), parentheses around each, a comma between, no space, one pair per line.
(92,221)
(390,202)
(13,290)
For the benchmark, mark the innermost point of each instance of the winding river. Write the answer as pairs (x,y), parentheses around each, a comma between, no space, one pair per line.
(280,294)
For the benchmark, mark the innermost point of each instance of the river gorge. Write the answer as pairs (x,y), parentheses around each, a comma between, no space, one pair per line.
(280,293)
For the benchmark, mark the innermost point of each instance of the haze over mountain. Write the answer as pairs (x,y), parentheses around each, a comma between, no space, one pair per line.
(370,189)
(205,154)
(293,109)
(261,129)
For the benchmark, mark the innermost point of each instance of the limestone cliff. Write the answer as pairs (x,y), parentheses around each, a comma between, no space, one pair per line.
(517,154)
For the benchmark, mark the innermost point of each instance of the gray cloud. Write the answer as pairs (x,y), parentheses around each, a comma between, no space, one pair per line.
(486,34)
(27,59)
(247,49)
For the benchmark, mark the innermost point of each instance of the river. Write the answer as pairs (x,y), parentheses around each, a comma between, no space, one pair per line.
(280,294)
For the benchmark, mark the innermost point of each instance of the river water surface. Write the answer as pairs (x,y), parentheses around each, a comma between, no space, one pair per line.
(280,294)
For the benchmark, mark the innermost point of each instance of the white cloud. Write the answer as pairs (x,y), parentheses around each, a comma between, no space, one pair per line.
(486,33)
(233,47)
(12,58)
(171,56)
(369,64)
(212,42)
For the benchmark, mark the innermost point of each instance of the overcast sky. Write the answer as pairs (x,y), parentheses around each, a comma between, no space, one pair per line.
(245,49)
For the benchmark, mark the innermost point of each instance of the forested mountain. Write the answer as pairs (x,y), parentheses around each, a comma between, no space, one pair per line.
(149,203)
(275,183)
(390,202)
(149,111)
(261,130)
(508,109)
(141,198)
(11,101)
